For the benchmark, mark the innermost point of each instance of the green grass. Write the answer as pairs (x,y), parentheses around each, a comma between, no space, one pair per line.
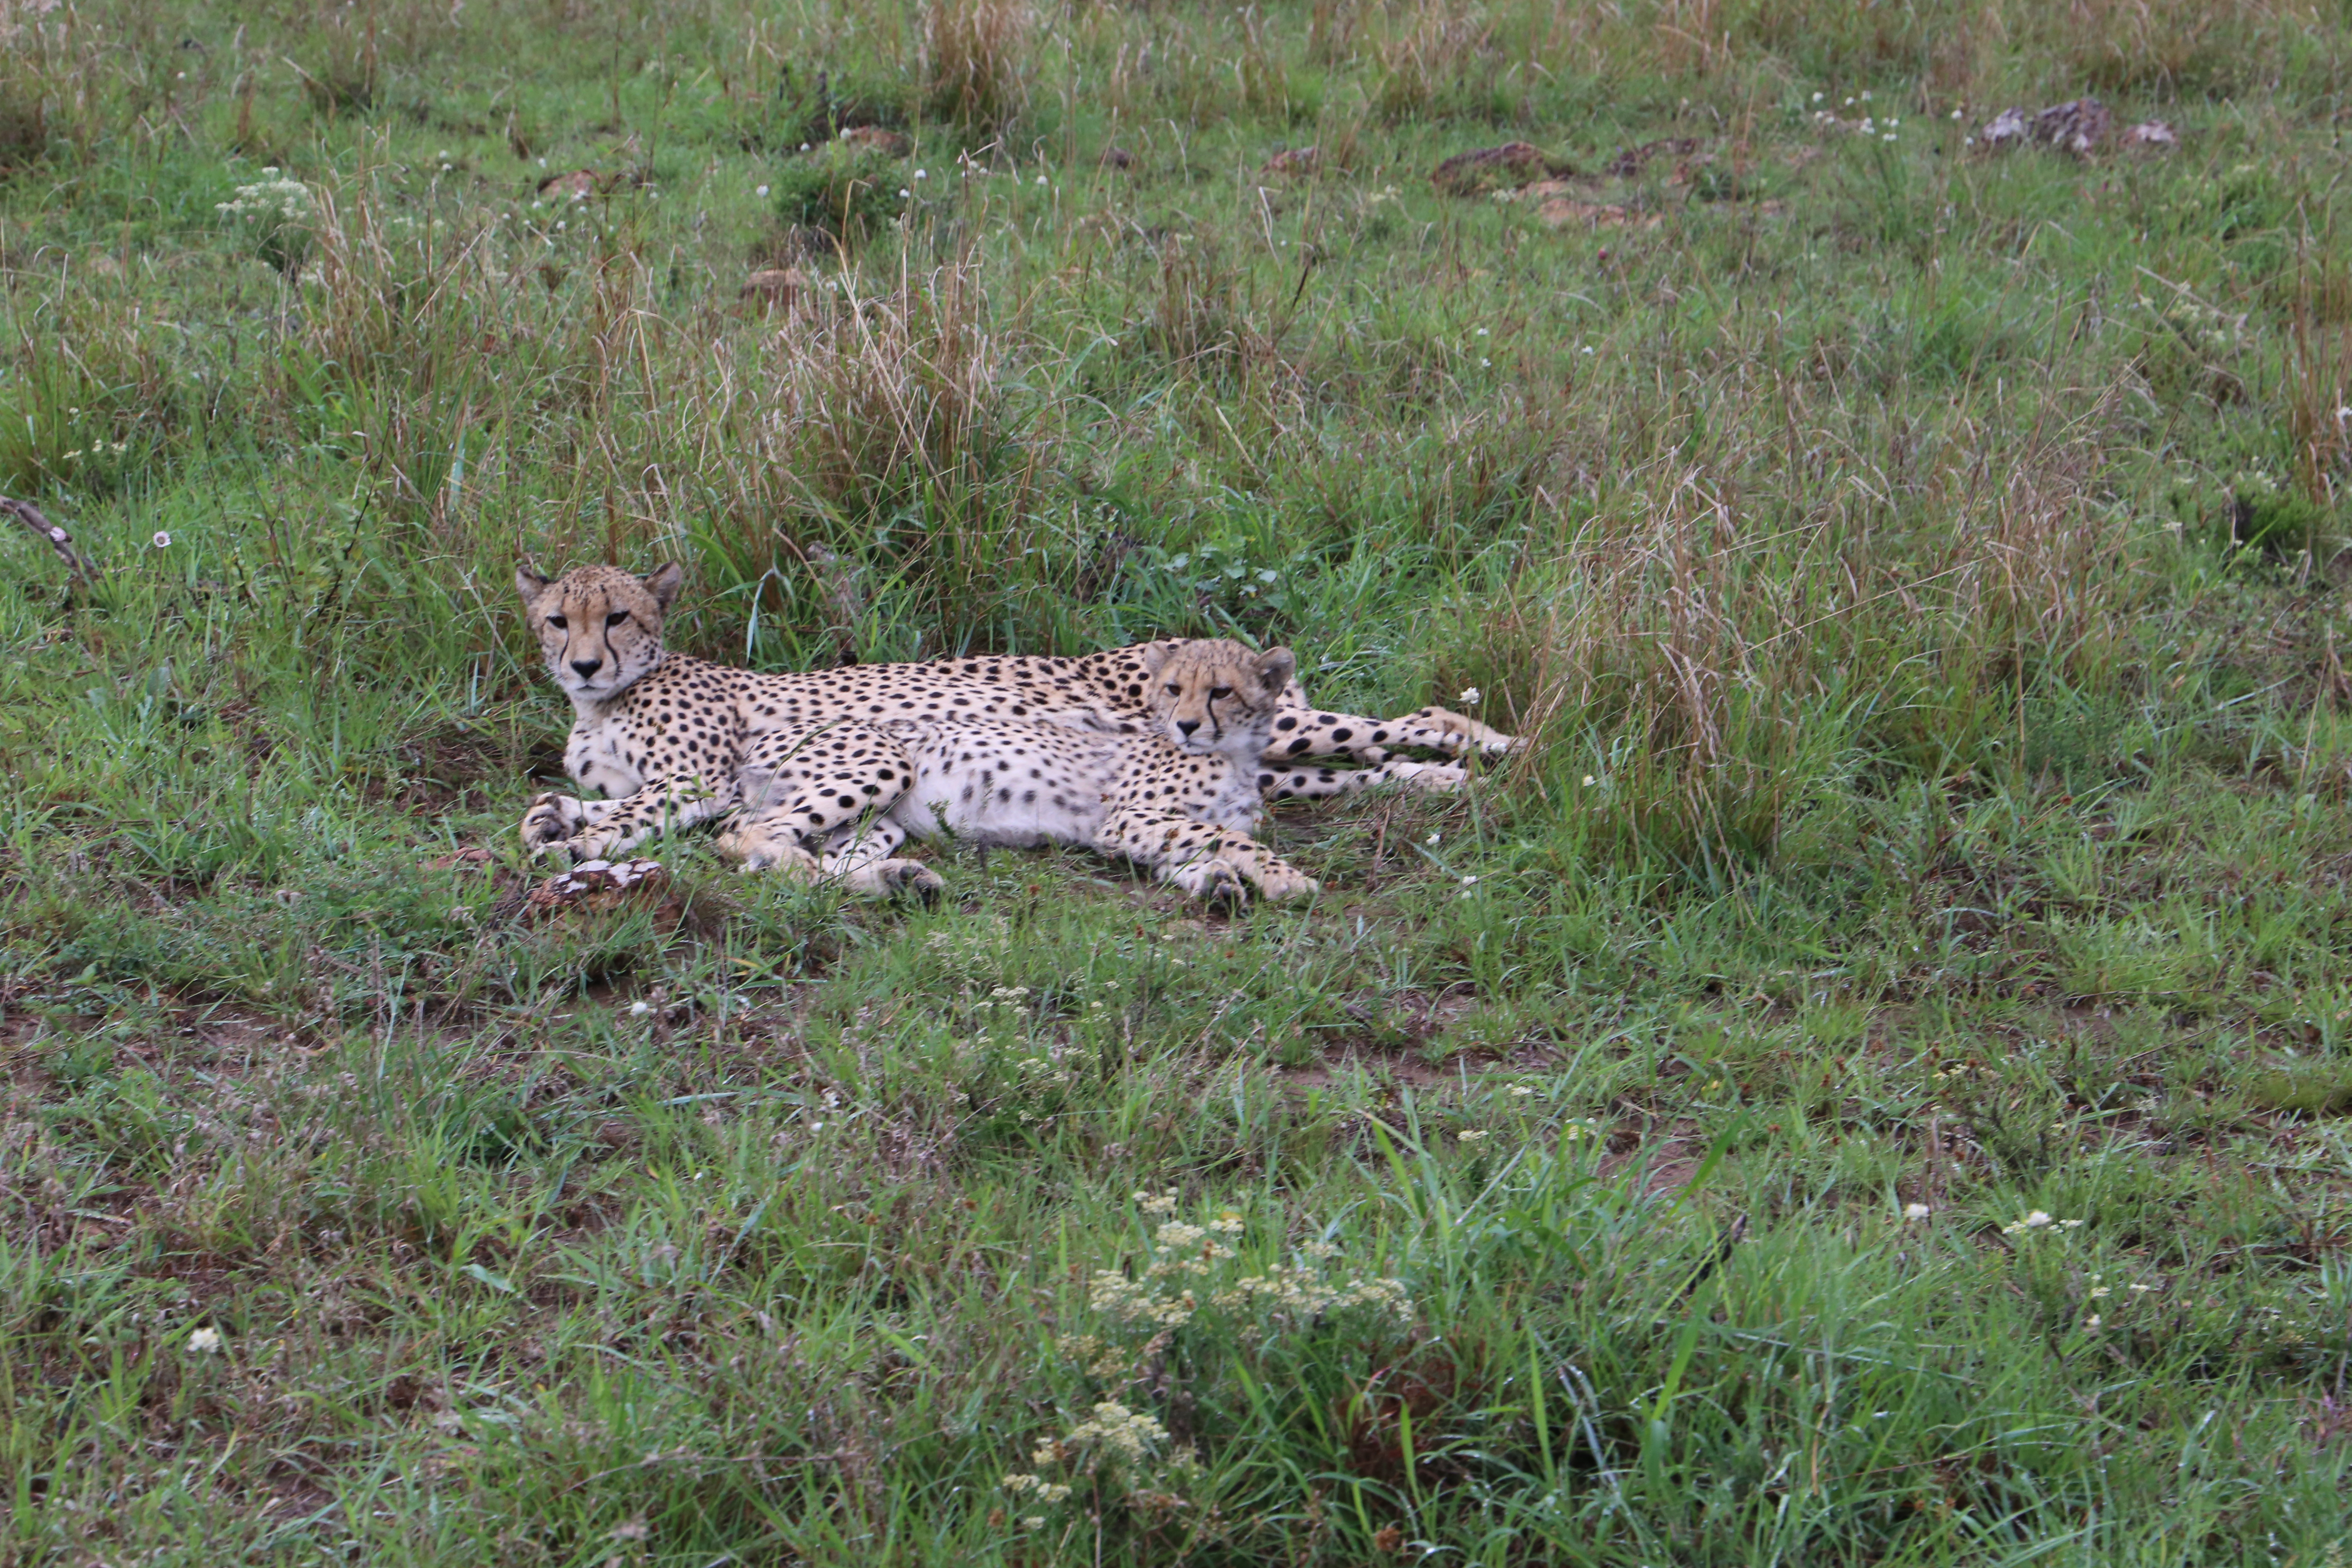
(1918,572)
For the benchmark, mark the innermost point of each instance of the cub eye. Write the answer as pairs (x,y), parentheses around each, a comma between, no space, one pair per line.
(616,618)
(556,621)
(1216,692)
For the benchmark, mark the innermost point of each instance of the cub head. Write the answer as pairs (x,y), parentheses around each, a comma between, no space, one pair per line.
(599,626)
(1220,697)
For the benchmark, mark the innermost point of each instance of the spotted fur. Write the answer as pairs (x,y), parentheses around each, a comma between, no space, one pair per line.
(664,738)
(1179,798)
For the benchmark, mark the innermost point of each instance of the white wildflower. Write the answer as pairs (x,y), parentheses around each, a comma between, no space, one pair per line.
(205,1341)
(1469,696)
(762,191)
(1916,1210)
(162,541)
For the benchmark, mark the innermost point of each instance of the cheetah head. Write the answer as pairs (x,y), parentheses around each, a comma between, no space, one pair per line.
(600,626)
(1220,697)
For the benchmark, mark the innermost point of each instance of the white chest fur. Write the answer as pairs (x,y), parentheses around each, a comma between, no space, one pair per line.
(597,758)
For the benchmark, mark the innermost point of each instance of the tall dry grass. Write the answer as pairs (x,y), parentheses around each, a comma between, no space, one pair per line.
(974,60)
(1708,669)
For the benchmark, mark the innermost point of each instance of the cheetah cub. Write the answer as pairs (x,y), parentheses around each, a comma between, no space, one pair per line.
(837,800)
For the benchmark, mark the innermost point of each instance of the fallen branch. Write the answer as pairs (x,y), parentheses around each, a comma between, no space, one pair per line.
(61,542)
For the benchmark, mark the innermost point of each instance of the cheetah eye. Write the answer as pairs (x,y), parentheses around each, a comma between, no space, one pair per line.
(1218,693)
(557,622)
(616,618)
(1175,691)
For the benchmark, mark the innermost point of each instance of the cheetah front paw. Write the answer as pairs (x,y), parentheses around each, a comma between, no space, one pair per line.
(1278,883)
(1215,880)
(899,878)
(551,819)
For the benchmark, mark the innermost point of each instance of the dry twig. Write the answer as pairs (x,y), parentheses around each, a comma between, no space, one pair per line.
(32,517)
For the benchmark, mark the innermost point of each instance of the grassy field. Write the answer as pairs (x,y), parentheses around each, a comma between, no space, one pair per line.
(1869,1085)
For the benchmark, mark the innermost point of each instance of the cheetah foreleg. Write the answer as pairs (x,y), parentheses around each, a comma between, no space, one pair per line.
(607,828)
(551,818)
(1206,861)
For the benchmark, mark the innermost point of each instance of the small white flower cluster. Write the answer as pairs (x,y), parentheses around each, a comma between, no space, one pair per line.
(273,202)
(2038,1219)
(2205,328)
(1162,1298)
(1885,129)
(1127,1435)
(1038,1486)
(1114,1443)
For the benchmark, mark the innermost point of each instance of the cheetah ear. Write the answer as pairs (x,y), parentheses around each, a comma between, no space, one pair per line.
(663,584)
(1275,665)
(528,582)
(1154,655)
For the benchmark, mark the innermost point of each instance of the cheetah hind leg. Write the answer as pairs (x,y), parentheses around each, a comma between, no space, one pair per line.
(804,817)
(1318,783)
(1460,732)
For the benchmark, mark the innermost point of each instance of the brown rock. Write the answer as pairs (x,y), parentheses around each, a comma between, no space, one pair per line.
(1558,212)
(2008,129)
(877,139)
(1512,164)
(594,886)
(2076,126)
(574,186)
(1628,163)
(775,287)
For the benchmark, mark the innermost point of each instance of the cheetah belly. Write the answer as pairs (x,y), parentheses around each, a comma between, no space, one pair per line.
(1045,786)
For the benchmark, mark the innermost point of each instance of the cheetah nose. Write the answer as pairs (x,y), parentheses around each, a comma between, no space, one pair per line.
(1188,725)
(587,666)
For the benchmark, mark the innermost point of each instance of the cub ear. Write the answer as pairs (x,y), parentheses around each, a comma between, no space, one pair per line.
(1275,665)
(528,582)
(664,583)
(1154,655)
